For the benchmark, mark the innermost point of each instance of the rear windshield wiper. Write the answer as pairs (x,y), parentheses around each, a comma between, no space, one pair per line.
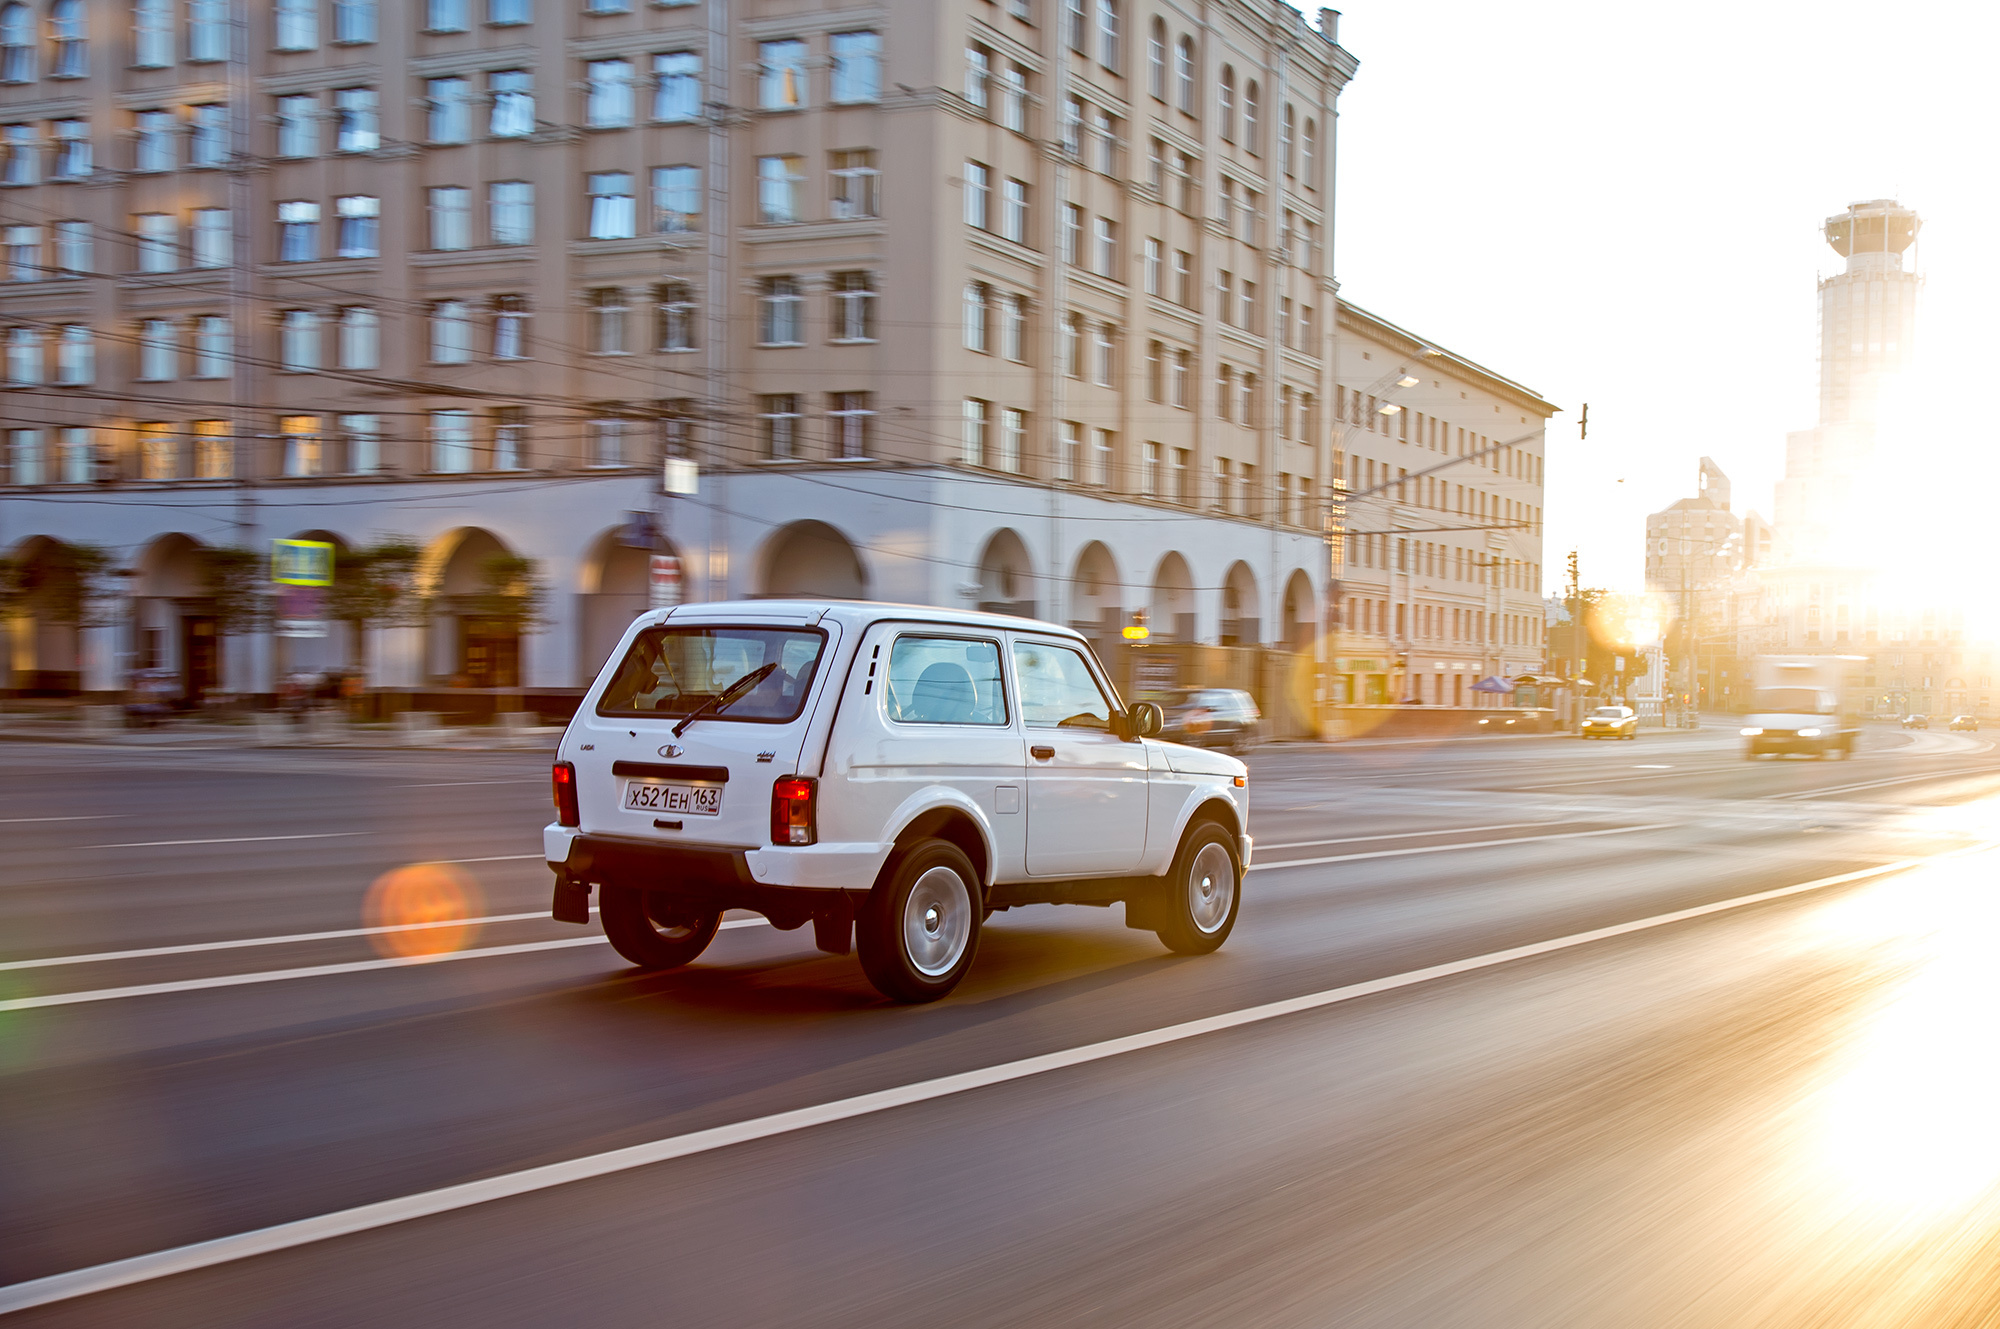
(729,696)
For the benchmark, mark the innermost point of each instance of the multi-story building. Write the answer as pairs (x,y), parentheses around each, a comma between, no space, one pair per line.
(1442,564)
(1015,302)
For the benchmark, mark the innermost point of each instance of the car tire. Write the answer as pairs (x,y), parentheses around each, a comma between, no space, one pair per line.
(920,928)
(1203,892)
(646,928)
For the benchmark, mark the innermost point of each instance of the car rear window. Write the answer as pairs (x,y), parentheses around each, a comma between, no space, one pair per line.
(1609,713)
(674,670)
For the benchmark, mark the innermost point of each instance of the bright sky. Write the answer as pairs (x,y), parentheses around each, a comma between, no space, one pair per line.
(1620,204)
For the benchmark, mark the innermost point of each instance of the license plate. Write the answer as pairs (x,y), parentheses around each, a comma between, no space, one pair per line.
(698,800)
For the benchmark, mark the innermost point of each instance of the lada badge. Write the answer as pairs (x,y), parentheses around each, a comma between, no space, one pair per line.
(672,750)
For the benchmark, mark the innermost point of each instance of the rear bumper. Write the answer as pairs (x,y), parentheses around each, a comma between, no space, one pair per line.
(619,861)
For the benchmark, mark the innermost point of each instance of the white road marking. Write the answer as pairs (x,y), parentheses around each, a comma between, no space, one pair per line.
(1969,774)
(98,816)
(234,839)
(460,784)
(465,1195)
(1450,848)
(497,858)
(312,971)
(1402,835)
(1648,766)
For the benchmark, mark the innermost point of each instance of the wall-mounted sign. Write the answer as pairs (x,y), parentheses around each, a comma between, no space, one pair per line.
(302,562)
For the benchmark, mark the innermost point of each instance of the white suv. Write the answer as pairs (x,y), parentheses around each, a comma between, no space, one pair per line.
(891,773)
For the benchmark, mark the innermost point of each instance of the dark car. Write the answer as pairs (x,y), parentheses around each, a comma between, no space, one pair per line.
(1611,722)
(1967,723)
(1213,718)
(1916,722)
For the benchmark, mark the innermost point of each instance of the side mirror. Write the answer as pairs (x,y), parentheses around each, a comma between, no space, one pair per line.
(1143,719)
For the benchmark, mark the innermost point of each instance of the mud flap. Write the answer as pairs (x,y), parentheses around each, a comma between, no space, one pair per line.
(833,929)
(572,900)
(1146,906)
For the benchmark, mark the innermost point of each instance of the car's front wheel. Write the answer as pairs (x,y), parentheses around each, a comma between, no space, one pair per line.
(1203,891)
(650,930)
(917,933)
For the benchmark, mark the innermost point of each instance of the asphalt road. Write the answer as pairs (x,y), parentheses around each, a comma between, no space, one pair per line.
(1499,1040)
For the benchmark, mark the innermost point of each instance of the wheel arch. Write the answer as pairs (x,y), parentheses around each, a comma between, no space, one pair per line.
(945,814)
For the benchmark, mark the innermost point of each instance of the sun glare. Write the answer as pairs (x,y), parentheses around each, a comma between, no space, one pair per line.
(428,907)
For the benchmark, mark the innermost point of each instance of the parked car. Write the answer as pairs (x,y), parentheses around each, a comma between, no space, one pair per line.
(1213,718)
(891,774)
(1611,722)
(1916,722)
(1965,723)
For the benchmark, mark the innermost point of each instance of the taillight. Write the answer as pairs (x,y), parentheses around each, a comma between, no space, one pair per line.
(793,819)
(562,777)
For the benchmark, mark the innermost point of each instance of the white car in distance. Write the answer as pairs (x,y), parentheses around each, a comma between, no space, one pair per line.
(891,774)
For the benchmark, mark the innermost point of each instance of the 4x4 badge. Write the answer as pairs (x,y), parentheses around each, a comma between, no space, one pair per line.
(672,750)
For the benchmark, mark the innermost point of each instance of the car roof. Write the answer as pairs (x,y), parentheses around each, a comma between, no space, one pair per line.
(848,613)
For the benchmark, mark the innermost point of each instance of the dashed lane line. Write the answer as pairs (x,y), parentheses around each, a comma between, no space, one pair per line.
(233,839)
(527,1181)
(1452,848)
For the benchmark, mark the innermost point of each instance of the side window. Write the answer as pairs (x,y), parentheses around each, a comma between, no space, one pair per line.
(1057,690)
(945,680)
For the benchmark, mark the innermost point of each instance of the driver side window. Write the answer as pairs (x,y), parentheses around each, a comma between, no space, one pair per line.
(1057,689)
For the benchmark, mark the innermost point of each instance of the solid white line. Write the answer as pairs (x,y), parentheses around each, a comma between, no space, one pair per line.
(424,1204)
(497,858)
(310,971)
(460,784)
(1401,835)
(1877,784)
(236,839)
(96,816)
(1449,848)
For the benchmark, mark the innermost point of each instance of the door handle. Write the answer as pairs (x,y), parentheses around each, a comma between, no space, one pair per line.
(1042,752)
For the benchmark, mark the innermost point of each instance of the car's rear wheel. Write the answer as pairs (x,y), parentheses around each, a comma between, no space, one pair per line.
(1204,891)
(652,931)
(918,932)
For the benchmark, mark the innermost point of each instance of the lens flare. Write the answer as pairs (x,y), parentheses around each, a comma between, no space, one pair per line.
(430,905)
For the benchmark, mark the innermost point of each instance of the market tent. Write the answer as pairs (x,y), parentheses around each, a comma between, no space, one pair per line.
(1492,684)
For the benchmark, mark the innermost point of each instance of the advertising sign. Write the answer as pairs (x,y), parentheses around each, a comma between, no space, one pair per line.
(302,562)
(664,581)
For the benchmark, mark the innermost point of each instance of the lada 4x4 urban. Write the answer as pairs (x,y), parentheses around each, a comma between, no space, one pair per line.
(891,774)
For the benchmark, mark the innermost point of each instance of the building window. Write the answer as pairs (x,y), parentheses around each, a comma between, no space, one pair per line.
(1109,45)
(153,141)
(677,87)
(357,125)
(360,442)
(857,67)
(778,414)
(17,44)
(781,81)
(510,212)
(507,13)
(607,441)
(1103,353)
(451,441)
(451,217)
(446,16)
(1012,443)
(856,185)
(510,327)
(607,320)
(73,248)
(972,443)
(510,431)
(24,454)
(1152,265)
(676,199)
(1072,345)
(1072,128)
(512,92)
(353,22)
(23,149)
(158,347)
(1014,327)
(359,343)
(1104,248)
(1225,391)
(978,76)
(298,340)
(214,348)
(1225,105)
(851,416)
(73,157)
(1251,123)
(780,182)
(152,33)
(612,215)
(1072,232)
(978,190)
(780,312)
(1156,59)
(1069,451)
(1156,375)
(674,307)
(159,451)
(298,125)
(448,102)
(208,137)
(76,356)
(24,253)
(297,25)
(208,30)
(854,306)
(1180,372)
(24,356)
(451,332)
(974,316)
(360,218)
(159,242)
(1149,478)
(608,100)
(1076,26)
(1014,99)
(1014,211)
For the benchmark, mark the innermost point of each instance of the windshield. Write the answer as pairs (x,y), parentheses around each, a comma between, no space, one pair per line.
(1609,712)
(671,671)
(1797,701)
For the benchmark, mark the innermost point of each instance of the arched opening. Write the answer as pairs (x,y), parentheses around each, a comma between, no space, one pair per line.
(1097,595)
(43,634)
(1240,621)
(1301,612)
(1172,611)
(811,560)
(476,614)
(175,628)
(613,588)
(1006,576)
